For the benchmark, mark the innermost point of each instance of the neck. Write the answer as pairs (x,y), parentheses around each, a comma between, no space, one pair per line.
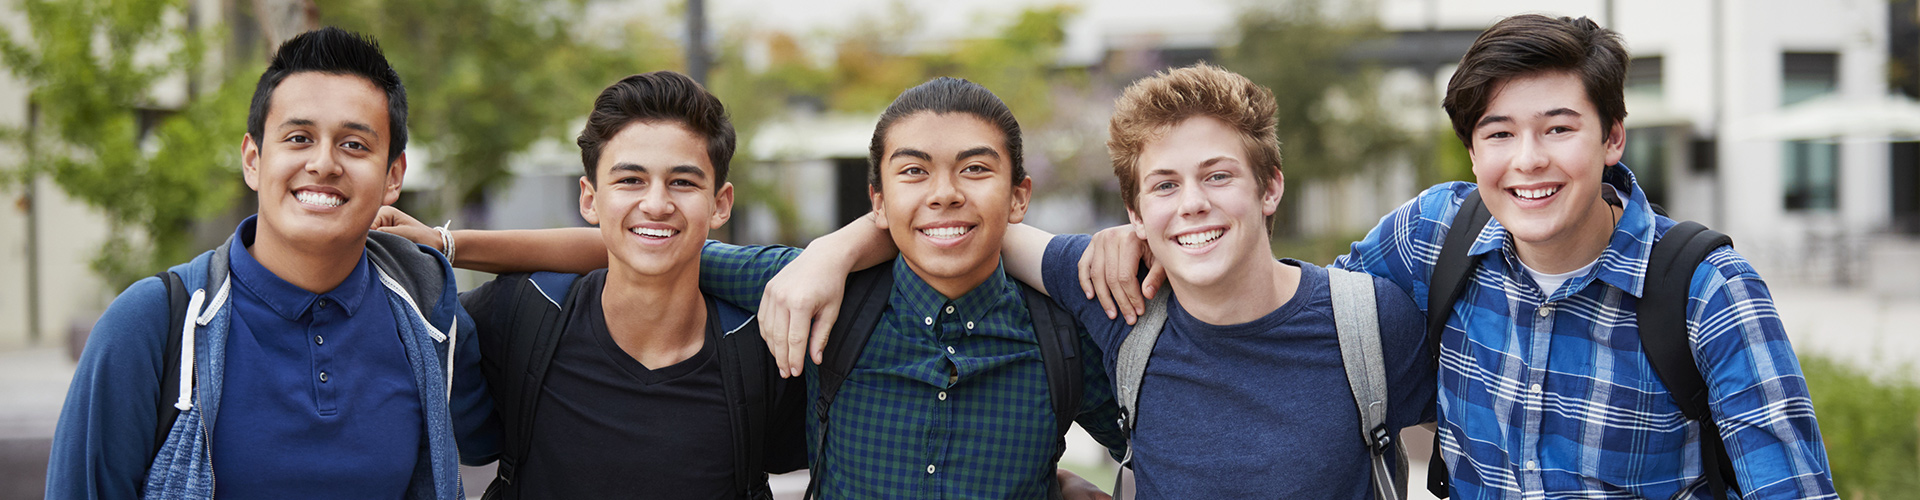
(1584,245)
(1240,296)
(955,287)
(315,268)
(659,320)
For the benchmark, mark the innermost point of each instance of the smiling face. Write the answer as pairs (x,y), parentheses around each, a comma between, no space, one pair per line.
(1538,154)
(320,166)
(1201,209)
(947,194)
(655,200)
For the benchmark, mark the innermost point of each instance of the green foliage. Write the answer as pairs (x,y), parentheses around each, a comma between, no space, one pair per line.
(486,79)
(92,66)
(1330,121)
(1871,429)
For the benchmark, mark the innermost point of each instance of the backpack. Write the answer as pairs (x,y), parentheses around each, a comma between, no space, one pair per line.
(866,299)
(515,359)
(1661,317)
(1358,326)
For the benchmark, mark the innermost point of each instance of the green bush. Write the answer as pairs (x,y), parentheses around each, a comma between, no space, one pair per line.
(1871,428)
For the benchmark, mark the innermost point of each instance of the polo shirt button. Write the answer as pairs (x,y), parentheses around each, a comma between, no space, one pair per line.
(323,377)
(943,395)
(949,309)
(319,340)
(929,321)
(323,303)
(929,468)
(949,349)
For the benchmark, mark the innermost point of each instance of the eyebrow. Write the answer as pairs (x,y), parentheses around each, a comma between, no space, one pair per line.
(677,169)
(351,125)
(1556,112)
(1203,164)
(977,151)
(922,155)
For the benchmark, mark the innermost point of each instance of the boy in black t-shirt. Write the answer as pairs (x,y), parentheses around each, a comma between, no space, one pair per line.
(647,387)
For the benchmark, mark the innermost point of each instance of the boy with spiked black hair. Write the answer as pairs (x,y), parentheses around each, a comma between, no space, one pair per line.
(306,356)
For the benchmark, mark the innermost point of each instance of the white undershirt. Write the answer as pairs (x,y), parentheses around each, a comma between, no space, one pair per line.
(1550,283)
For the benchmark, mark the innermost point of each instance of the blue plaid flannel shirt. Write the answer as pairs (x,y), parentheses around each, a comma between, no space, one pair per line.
(948,400)
(1547,393)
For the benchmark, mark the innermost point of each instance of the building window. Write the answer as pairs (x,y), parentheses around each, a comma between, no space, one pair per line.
(1810,171)
(1647,75)
(1646,156)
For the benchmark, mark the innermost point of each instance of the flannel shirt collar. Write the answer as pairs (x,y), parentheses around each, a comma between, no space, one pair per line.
(913,296)
(1624,263)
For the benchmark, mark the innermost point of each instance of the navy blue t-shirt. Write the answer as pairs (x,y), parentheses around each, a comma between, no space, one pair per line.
(318,400)
(1260,409)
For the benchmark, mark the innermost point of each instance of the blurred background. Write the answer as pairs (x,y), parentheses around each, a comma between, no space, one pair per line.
(1788,124)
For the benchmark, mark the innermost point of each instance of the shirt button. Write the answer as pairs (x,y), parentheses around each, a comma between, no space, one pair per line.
(969,325)
(943,395)
(1536,388)
(1531,465)
(949,349)
(323,303)
(1545,310)
(929,321)
(929,468)
(323,377)
(319,340)
(949,309)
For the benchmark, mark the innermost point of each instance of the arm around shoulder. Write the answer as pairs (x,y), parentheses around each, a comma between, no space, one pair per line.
(105,439)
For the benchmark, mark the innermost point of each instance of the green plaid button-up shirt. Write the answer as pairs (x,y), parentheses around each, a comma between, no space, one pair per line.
(904,424)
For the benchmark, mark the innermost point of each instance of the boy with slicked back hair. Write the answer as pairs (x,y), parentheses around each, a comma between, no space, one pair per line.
(305,357)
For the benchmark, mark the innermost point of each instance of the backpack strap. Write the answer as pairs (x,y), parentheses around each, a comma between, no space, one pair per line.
(170,368)
(1059,335)
(1130,368)
(1451,274)
(743,372)
(527,318)
(860,310)
(1358,324)
(1662,321)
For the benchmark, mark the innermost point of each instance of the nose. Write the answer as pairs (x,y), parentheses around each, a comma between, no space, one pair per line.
(945,192)
(1530,156)
(1193,200)
(655,203)
(325,164)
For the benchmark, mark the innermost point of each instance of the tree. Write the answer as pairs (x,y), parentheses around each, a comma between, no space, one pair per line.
(99,132)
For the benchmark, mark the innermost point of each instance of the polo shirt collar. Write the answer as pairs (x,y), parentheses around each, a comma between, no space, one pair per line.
(912,295)
(1624,263)
(286,299)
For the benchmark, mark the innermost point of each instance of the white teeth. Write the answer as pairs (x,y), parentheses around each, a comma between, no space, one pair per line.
(945,232)
(653,233)
(321,199)
(1535,194)
(1200,238)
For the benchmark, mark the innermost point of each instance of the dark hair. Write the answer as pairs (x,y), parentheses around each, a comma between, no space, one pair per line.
(947,95)
(658,96)
(1532,43)
(339,52)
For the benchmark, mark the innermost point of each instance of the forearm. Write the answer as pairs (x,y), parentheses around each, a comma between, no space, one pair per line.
(573,250)
(857,246)
(1023,250)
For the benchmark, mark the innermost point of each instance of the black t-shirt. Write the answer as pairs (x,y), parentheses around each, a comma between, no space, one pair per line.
(609,427)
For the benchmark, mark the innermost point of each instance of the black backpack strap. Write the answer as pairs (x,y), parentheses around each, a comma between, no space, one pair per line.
(860,310)
(1662,320)
(1451,274)
(170,368)
(743,372)
(1059,335)
(527,318)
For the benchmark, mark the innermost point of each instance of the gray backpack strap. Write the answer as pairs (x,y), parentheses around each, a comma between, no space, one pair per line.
(1358,324)
(1130,366)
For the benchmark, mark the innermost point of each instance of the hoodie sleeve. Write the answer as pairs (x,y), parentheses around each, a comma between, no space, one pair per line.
(104,442)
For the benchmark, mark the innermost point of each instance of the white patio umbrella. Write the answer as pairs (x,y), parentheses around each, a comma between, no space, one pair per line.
(1893,118)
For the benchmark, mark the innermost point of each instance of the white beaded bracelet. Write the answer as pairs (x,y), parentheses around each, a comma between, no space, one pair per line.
(446,239)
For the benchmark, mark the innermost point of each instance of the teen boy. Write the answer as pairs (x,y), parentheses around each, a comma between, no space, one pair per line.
(950,397)
(316,359)
(1545,388)
(650,383)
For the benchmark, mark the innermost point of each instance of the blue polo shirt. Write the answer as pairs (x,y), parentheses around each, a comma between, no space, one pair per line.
(318,398)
